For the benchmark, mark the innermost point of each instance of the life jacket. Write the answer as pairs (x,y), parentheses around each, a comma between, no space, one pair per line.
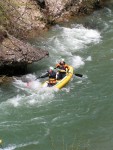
(64,67)
(52,77)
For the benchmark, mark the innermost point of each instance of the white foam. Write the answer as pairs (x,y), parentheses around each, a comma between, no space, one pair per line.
(31,77)
(34,94)
(77,61)
(79,82)
(66,89)
(13,146)
(16,100)
(73,39)
(31,83)
(89,58)
(66,42)
(10,147)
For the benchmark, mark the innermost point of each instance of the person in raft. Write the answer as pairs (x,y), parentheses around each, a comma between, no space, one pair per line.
(63,68)
(52,76)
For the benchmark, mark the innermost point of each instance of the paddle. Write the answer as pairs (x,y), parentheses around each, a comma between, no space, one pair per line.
(79,75)
(76,74)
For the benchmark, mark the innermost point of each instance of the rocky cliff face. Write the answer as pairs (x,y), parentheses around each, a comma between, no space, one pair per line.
(61,9)
(18,19)
(24,16)
(15,55)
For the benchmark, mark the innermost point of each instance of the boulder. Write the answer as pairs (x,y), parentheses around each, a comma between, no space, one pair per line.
(15,55)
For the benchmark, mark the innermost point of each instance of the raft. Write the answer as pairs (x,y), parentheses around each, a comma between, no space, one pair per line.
(61,83)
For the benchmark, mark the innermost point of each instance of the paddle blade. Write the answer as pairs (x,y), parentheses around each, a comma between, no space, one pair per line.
(79,75)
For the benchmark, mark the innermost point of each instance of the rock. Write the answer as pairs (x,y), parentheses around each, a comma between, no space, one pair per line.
(13,50)
(3,34)
(24,16)
(27,16)
(4,79)
(59,9)
(56,7)
(41,3)
(15,55)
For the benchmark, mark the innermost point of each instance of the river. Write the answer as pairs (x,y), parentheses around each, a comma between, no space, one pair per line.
(78,117)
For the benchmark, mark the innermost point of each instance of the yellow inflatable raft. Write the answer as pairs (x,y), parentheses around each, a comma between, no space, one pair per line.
(61,83)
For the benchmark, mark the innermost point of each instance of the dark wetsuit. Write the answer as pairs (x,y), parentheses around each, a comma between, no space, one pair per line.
(62,71)
(52,77)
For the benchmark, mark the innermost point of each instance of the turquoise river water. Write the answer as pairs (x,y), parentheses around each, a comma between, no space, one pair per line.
(78,117)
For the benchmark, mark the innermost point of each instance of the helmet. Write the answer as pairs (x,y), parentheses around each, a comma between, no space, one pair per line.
(51,68)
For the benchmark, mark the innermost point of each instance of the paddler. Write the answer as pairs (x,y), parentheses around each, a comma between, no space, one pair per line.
(63,68)
(52,76)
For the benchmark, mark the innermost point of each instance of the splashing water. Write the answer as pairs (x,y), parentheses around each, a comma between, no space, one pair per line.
(13,147)
(67,41)
(34,93)
(73,39)
(77,61)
